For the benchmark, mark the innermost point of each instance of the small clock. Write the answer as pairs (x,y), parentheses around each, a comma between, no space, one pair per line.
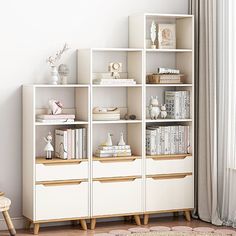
(115,68)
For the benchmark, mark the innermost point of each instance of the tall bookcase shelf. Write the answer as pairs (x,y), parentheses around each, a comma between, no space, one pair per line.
(97,187)
(177,177)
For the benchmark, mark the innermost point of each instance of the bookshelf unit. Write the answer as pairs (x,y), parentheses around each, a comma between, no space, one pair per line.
(48,184)
(137,185)
(167,175)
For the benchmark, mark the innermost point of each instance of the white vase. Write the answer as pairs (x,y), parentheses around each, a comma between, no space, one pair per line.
(54,75)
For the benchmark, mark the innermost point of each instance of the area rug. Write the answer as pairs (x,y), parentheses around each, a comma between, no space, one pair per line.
(167,231)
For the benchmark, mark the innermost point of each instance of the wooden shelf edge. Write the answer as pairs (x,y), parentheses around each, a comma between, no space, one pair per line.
(55,160)
(116,159)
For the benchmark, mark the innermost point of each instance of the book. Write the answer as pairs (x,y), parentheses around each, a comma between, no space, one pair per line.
(125,147)
(151,137)
(78,142)
(69,143)
(72,144)
(84,143)
(55,117)
(120,154)
(54,121)
(61,144)
(114,81)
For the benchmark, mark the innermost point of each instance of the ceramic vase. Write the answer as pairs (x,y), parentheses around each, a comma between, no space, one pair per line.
(54,75)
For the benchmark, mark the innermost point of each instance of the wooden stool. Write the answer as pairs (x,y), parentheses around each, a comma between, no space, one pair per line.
(4,207)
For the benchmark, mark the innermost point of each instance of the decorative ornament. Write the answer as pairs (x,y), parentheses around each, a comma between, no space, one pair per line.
(55,107)
(115,68)
(53,60)
(108,141)
(121,142)
(63,71)
(163,111)
(153,34)
(48,148)
(154,109)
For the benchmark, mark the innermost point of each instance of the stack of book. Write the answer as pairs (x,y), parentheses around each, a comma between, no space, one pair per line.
(71,143)
(167,140)
(61,118)
(113,151)
(177,104)
(165,78)
(102,114)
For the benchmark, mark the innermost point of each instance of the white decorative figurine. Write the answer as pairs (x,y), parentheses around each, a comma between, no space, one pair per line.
(154,109)
(52,61)
(163,111)
(48,148)
(121,142)
(55,107)
(108,141)
(63,71)
(153,34)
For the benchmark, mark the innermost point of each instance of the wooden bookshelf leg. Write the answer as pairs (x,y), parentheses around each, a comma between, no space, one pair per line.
(36,228)
(93,224)
(27,224)
(187,215)
(137,219)
(145,219)
(83,224)
(10,226)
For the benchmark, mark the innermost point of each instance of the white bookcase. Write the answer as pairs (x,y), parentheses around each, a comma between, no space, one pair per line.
(168,180)
(92,188)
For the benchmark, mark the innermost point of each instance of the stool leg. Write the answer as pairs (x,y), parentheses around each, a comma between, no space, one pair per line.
(137,219)
(36,228)
(9,223)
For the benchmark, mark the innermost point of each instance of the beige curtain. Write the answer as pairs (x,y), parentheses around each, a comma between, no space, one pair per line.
(206,109)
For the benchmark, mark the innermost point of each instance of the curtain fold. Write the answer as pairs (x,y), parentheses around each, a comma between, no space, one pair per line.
(215,65)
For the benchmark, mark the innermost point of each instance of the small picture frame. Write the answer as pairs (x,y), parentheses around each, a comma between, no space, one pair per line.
(166,36)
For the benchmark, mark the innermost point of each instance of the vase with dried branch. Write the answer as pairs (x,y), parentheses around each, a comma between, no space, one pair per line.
(53,60)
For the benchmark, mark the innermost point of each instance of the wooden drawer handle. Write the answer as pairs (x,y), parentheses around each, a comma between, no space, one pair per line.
(117,179)
(169,157)
(59,183)
(170,176)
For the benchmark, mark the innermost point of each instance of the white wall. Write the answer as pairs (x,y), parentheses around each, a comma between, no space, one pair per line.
(31,30)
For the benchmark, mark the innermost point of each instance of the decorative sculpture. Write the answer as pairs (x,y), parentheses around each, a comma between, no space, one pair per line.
(52,61)
(115,68)
(154,109)
(108,141)
(48,148)
(153,34)
(121,142)
(55,107)
(163,111)
(63,71)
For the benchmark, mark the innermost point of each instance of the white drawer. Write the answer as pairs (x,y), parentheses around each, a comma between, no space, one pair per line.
(61,201)
(65,171)
(172,165)
(114,197)
(169,193)
(117,168)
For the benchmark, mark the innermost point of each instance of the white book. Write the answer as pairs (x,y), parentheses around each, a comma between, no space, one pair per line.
(54,121)
(61,144)
(84,143)
(181,139)
(158,141)
(124,147)
(152,145)
(167,140)
(73,144)
(112,151)
(176,139)
(172,140)
(162,139)
(123,154)
(69,153)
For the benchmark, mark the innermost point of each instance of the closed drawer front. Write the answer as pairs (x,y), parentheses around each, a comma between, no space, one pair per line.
(61,201)
(116,197)
(47,172)
(120,168)
(157,166)
(169,193)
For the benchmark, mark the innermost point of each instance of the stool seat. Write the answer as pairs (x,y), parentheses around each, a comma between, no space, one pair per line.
(5,204)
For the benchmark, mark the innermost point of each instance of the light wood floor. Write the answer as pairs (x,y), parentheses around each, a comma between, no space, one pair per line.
(106,227)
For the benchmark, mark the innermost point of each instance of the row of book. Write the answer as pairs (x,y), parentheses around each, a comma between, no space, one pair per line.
(71,143)
(177,104)
(167,140)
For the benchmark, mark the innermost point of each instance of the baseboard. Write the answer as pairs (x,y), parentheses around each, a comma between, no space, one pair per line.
(19,222)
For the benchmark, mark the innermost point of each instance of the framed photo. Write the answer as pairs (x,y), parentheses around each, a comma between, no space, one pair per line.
(166,36)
